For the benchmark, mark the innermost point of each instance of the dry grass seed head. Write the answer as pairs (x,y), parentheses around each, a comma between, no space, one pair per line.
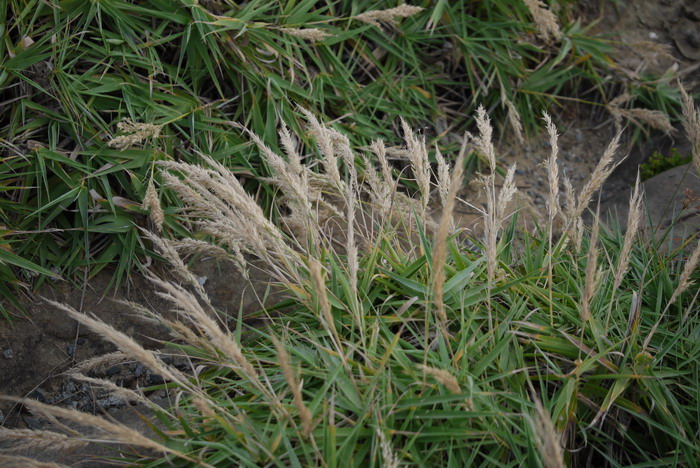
(633,217)
(126,344)
(552,167)
(484,142)
(602,171)
(308,34)
(545,20)
(151,203)
(691,123)
(188,305)
(325,145)
(376,17)
(592,273)
(30,440)
(443,377)
(547,438)
(119,433)
(16,461)
(320,286)
(391,460)
(446,221)
(135,133)
(443,177)
(513,117)
(418,155)
(126,394)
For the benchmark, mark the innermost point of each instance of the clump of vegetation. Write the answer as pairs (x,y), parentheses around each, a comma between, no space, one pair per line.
(397,344)
(658,163)
(73,77)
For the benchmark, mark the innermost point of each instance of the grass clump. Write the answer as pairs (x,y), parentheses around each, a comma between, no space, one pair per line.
(79,80)
(399,345)
(658,163)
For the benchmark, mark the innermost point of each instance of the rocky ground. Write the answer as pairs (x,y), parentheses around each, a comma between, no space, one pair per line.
(36,355)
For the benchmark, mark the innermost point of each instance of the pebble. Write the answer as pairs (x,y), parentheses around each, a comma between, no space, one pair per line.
(114,370)
(32,422)
(2,418)
(8,353)
(70,349)
(110,401)
(156,379)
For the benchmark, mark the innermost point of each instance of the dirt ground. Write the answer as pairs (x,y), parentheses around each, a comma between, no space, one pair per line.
(35,353)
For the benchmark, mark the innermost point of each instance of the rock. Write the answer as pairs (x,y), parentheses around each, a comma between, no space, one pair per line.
(673,194)
(33,423)
(114,370)
(8,353)
(156,379)
(2,418)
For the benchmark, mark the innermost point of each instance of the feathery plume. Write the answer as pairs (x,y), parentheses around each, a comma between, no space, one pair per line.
(17,461)
(633,217)
(552,205)
(118,433)
(376,17)
(418,155)
(134,133)
(391,460)
(552,167)
(484,142)
(126,344)
(151,203)
(545,20)
(320,287)
(513,117)
(440,249)
(443,377)
(602,171)
(592,273)
(547,439)
(25,440)
(443,177)
(308,34)
(691,123)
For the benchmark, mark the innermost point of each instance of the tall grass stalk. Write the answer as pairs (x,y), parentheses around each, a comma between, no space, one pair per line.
(506,383)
